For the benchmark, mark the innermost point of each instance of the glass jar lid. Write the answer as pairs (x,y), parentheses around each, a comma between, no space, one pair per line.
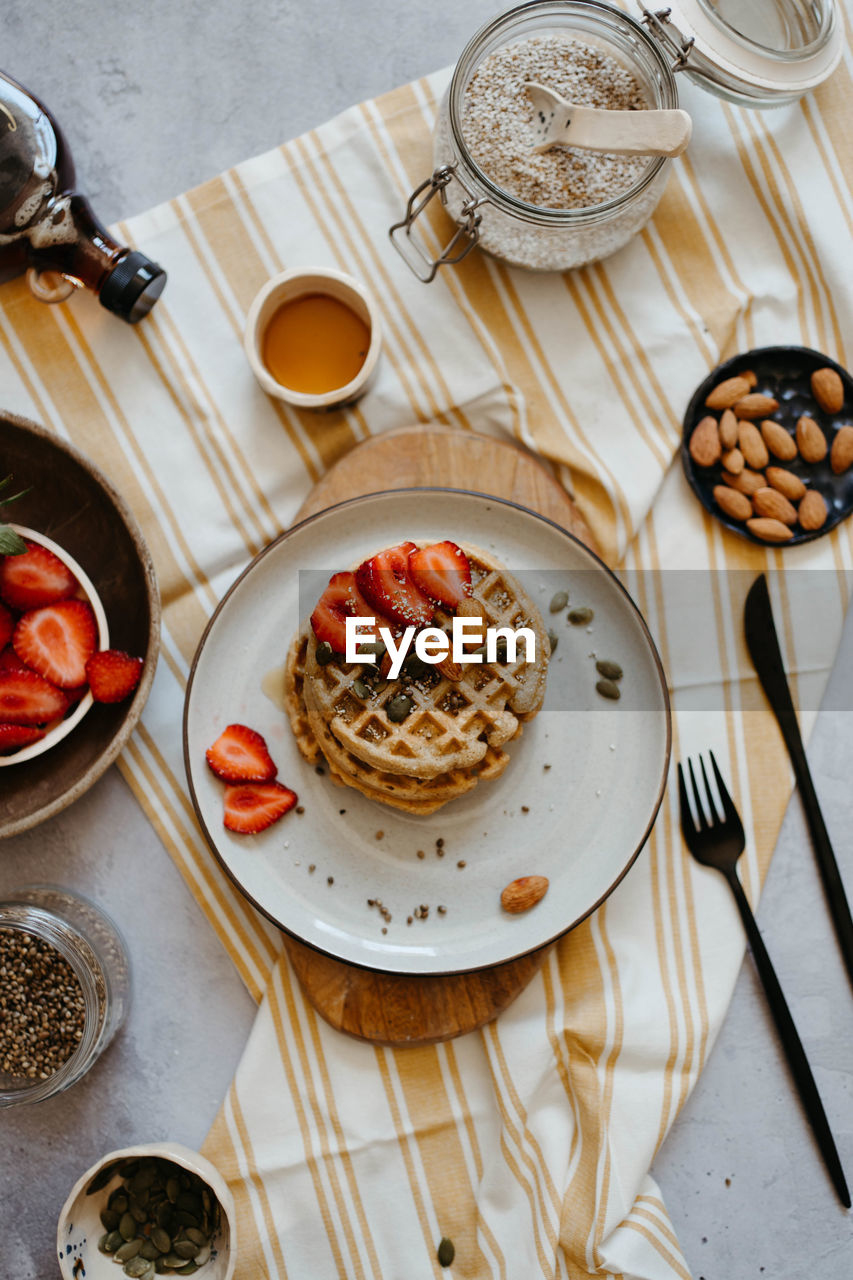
(754,52)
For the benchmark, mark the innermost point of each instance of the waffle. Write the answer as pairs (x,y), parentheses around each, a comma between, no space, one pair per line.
(452,726)
(413,795)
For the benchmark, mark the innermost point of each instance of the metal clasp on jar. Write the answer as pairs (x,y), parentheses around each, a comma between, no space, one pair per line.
(415,257)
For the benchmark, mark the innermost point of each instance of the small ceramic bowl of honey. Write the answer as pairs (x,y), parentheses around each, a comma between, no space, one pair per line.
(313,338)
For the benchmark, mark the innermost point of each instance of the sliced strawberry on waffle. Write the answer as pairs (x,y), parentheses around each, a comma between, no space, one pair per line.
(113,675)
(240,754)
(27,698)
(342,599)
(34,578)
(251,807)
(385,581)
(442,572)
(57,641)
(15,736)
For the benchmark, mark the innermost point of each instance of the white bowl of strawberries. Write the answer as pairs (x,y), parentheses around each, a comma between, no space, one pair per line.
(55,655)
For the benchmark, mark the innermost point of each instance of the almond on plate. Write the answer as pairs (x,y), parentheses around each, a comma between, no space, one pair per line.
(812,511)
(778,441)
(752,446)
(810,440)
(747,482)
(769,530)
(786,482)
(772,503)
(755,405)
(733,461)
(726,393)
(842,450)
(705,443)
(736,505)
(728,430)
(828,390)
(523,893)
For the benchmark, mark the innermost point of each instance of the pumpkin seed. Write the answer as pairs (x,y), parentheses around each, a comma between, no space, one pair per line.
(110,1219)
(189,1270)
(581,617)
(324,656)
(553,639)
(143,1180)
(137,1212)
(161,1267)
(129,1250)
(113,1241)
(414,667)
(185,1249)
(446,1252)
(127,1226)
(185,1219)
(360,689)
(161,1239)
(173,1259)
(173,1187)
(140,1198)
(559,600)
(150,1251)
(139,1269)
(608,689)
(399,708)
(197,1237)
(190,1203)
(102,1243)
(164,1214)
(130,1167)
(119,1201)
(610,670)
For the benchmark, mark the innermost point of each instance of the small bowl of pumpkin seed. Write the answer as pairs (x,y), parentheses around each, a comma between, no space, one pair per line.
(155,1210)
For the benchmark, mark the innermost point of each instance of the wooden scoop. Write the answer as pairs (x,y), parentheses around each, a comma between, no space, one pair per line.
(630,133)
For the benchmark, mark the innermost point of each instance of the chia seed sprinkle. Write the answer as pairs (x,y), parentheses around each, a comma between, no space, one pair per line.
(42,1009)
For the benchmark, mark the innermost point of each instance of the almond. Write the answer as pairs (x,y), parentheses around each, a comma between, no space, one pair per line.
(747,482)
(812,511)
(778,440)
(769,530)
(726,393)
(728,430)
(842,450)
(810,440)
(752,446)
(749,376)
(755,405)
(733,462)
(786,482)
(471,607)
(705,443)
(523,893)
(828,390)
(451,670)
(772,503)
(736,505)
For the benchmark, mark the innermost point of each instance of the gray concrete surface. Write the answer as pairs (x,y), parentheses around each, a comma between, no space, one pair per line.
(155,99)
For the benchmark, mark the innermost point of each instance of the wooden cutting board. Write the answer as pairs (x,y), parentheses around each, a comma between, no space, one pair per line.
(388,1008)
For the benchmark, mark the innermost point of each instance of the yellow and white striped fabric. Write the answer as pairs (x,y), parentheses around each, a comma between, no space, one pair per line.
(528,1144)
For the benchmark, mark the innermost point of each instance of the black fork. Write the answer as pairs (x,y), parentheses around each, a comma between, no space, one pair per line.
(719,842)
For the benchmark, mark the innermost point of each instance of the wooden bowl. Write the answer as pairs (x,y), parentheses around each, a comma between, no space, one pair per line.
(70,501)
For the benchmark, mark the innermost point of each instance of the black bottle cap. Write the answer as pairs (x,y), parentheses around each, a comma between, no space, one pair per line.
(132,287)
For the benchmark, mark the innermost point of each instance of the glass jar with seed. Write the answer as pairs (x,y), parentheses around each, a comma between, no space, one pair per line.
(65,981)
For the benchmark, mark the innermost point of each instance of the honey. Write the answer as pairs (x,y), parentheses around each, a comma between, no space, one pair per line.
(314,344)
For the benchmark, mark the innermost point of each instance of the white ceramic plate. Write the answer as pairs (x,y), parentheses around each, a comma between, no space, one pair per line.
(62,727)
(580,822)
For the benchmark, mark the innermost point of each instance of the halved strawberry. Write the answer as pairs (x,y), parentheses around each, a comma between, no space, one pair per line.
(442,572)
(57,641)
(340,600)
(240,754)
(113,675)
(35,578)
(251,807)
(384,579)
(9,660)
(13,736)
(26,698)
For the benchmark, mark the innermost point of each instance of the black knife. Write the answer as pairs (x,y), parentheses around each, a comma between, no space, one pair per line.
(763,644)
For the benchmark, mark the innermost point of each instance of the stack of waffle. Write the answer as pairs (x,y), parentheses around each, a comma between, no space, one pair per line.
(455,734)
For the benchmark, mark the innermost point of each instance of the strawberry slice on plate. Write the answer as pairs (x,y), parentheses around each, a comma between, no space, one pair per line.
(57,641)
(240,754)
(442,572)
(385,580)
(341,599)
(34,578)
(14,736)
(251,807)
(27,698)
(112,674)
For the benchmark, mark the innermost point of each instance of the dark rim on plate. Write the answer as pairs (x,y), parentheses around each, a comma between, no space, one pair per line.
(703,479)
(470,493)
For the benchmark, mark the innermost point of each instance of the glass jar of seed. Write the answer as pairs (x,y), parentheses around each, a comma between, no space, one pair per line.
(64,990)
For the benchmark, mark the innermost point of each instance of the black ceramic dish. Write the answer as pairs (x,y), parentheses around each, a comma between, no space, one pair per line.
(784,373)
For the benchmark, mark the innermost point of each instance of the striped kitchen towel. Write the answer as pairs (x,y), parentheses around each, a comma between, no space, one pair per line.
(528,1143)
